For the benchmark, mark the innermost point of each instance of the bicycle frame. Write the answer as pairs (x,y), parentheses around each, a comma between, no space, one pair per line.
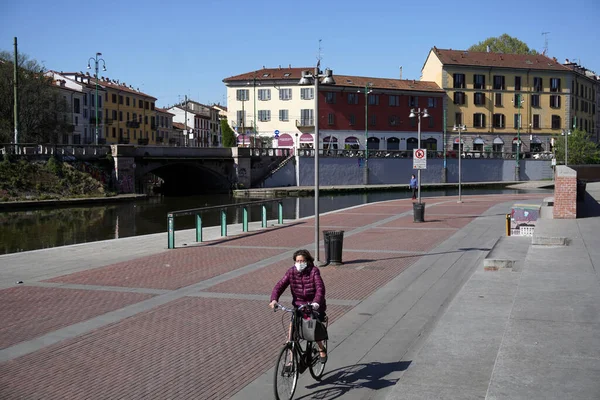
(305,358)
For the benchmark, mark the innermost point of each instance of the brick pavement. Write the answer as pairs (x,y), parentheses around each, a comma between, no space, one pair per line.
(184,348)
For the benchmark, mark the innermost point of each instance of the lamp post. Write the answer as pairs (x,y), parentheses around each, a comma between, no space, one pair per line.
(307,79)
(459,129)
(418,113)
(519,102)
(566,134)
(366,170)
(96,62)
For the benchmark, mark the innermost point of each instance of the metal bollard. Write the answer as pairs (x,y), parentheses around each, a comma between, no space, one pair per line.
(507,224)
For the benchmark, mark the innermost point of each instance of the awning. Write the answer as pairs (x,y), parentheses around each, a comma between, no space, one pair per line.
(515,140)
(536,140)
(456,140)
(243,138)
(478,141)
(306,137)
(351,139)
(498,141)
(285,140)
(328,139)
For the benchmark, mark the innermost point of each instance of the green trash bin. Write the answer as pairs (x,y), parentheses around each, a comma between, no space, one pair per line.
(419,212)
(334,243)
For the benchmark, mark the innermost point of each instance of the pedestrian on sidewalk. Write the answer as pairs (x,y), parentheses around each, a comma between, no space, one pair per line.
(413,186)
(307,287)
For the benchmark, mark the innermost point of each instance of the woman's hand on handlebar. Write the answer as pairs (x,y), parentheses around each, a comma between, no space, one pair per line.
(273,304)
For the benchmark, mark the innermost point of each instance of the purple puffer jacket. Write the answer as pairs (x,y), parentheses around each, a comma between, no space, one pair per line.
(306,287)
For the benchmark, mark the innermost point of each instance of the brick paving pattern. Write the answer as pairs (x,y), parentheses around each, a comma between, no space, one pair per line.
(27,312)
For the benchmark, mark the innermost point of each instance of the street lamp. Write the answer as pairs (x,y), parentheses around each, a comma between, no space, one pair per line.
(459,129)
(519,102)
(566,134)
(307,79)
(96,61)
(418,113)
(366,170)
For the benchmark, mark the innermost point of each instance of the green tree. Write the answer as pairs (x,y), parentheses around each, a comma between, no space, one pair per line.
(503,44)
(229,139)
(581,149)
(42,109)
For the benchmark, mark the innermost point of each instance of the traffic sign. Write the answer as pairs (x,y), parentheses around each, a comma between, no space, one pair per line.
(276,133)
(419,159)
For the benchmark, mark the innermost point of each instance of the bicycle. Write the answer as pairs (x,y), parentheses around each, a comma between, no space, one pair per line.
(294,358)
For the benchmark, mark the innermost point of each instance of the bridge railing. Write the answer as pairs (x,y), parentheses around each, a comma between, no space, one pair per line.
(197,212)
(430,154)
(74,150)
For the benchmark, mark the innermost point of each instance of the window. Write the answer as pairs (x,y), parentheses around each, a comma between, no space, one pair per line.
(284,115)
(479,99)
(330,97)
(499,121)
(120,99)
(76,106)
(478,120)
(331,118)
(431,121)
(518,100)
(99,102)
(264,115)
(555,101)
(285,94)
(556,122)
(146,104)
(85,113)
(537,84)
(536,121)
(413,122)
(373,99)
(457,118)
(478,81)
(120,115)
(459,98)
(372,120)
(459,81)
(306,117)
(352,98)
(127,101)
(264,94)
(555,84)
(240,95)
(307,93)
(114,98)
(76,121)
(535,100)
(394,101)
(431,102)
(517,83)
(413,101)
(499,82)
(498,99)
(114,132)
(517,121)
(352,119)
(114,115)
(85,99)
(240,117)
(393,120)
(141,104)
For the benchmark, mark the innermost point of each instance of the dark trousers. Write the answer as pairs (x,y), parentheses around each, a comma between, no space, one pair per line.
(414,190)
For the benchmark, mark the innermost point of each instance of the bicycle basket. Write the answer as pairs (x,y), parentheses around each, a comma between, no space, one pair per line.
(311,329)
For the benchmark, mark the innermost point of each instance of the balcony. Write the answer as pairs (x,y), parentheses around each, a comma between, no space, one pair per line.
(143,142)
(108,121)
(305,123)
(132,124)
(124,141)
(160,139)
(93,120)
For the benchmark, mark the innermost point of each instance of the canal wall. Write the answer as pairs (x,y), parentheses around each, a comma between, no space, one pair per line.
(382,171)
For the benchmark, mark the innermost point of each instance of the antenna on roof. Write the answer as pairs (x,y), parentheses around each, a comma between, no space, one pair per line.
(545,42)
(319,55)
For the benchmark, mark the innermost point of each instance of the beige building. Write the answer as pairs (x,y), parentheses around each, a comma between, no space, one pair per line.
(503,98)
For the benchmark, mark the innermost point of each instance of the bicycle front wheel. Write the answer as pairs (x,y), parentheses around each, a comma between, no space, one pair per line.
(286,373)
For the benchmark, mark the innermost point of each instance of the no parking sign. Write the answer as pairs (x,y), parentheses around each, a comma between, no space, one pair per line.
(419,159)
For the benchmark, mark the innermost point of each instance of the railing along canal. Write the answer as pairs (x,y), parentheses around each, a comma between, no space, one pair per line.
(223,217)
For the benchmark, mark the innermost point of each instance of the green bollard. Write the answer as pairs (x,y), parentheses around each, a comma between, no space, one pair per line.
(264,216)
(245,219)
(279,212)
(223,222)
(198,228)
(171,231)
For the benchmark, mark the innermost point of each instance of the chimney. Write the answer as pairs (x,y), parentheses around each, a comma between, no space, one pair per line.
(279,66)
(290,66)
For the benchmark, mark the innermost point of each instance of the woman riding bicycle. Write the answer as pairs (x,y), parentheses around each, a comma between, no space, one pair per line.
(307,287)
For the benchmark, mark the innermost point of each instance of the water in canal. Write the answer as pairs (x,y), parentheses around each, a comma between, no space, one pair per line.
(42,228)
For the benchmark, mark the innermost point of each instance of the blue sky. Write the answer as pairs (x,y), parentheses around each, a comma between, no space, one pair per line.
(172,49)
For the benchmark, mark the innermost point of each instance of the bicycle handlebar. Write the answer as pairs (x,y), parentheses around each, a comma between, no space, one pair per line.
(303,306)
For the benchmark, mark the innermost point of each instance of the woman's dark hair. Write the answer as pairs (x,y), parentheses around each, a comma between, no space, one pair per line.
(303,252)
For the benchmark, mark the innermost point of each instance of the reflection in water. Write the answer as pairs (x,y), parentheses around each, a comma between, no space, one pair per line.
(38,229)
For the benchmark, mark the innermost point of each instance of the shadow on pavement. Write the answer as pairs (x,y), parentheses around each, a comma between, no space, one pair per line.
(342,380)
(589,208)
(460,250)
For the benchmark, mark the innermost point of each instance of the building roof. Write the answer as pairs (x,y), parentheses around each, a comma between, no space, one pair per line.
(499,60)
(386,83)
(178,125)
(294,74)
(163,110)
(115,84)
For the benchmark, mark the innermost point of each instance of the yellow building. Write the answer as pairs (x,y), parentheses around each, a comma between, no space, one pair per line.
(129,115)
(503,98)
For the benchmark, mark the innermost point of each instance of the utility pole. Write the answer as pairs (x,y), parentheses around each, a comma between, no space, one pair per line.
(16,90)
(185,128)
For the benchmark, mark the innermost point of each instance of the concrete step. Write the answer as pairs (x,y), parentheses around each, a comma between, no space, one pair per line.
(507,254)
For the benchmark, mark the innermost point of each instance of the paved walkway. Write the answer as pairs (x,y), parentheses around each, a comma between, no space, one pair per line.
(127,319)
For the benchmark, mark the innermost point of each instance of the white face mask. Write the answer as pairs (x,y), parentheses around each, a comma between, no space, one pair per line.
(300,266)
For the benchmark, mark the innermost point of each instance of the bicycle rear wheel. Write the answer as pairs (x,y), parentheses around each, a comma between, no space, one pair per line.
(316,367)
(286,373)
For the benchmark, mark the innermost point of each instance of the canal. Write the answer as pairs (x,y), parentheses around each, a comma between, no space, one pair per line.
(43,228)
